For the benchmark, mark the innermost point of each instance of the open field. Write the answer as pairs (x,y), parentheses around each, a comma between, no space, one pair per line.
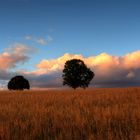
(93,114)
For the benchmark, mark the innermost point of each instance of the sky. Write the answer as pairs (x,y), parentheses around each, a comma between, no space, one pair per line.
(37,37)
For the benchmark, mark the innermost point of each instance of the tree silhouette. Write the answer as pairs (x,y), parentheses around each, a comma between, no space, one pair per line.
(18,83)
(76,74)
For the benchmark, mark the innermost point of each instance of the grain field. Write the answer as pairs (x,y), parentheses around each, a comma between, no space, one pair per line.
(92,114)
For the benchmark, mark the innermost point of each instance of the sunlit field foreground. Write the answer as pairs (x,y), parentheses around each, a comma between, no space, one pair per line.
(93,114)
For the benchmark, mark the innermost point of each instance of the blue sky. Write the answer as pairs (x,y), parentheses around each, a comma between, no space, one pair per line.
(86,27)
(77,26)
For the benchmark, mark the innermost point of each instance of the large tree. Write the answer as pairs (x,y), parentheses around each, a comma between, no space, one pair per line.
(76,74)
(18,83)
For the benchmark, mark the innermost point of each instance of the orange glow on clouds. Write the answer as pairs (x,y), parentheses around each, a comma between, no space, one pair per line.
(103,62)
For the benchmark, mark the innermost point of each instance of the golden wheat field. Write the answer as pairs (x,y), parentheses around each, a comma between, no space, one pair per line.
(91,114)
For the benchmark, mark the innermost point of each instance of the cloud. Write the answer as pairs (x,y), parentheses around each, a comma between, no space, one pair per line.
(110,71)
(56,64)
(18,53)
(41,41)
(21,48)
(29,37)
(131,74)
(52,80)
(132,60)
(9,60)
(44,41)
(101,61)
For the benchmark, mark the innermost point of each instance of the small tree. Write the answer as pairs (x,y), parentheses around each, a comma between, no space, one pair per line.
(18,83)
(76,74)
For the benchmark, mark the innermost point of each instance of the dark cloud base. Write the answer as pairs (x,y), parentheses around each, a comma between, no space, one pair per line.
(54,80)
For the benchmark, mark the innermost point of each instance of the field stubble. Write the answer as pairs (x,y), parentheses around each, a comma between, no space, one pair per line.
(93,114)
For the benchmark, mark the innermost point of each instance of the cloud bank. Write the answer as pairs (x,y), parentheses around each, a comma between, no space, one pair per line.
(110,71)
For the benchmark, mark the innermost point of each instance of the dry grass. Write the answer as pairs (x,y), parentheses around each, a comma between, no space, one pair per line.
(99,114)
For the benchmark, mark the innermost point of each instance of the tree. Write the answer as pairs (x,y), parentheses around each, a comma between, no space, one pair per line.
(18,83)
(76,74)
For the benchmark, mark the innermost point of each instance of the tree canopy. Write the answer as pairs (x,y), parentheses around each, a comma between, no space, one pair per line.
(76,74)
(18,83)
